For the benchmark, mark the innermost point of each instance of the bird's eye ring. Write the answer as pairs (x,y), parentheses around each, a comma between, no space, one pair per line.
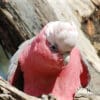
(54,47)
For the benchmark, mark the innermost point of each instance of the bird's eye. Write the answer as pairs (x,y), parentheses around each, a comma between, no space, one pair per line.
(54,47)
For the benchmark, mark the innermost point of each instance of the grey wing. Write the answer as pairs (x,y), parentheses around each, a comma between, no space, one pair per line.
(14,60)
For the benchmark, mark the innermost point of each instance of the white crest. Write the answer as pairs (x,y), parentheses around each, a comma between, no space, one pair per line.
(64,34)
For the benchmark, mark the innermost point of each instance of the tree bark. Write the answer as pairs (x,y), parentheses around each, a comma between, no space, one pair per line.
(7,92)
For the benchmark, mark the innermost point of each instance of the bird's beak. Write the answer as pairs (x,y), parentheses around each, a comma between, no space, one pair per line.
(66,57)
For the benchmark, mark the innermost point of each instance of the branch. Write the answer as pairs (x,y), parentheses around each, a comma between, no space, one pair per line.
(9,92)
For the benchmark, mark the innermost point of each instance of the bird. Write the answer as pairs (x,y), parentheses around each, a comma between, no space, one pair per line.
(39,66)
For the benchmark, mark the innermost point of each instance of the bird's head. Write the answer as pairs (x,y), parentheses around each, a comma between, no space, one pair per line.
(61,35)
(55,41)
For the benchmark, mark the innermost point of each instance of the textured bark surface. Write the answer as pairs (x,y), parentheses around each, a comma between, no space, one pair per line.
(22,19)
(7,92)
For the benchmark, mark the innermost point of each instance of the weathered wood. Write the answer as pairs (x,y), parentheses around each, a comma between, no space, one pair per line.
(7,92)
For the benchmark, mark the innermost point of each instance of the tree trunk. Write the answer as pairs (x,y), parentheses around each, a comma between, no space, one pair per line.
(22,19)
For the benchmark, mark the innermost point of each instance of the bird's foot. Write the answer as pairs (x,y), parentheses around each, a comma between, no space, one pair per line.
(48,97)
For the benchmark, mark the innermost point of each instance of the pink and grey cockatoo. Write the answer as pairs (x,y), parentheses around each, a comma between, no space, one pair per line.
(39,66)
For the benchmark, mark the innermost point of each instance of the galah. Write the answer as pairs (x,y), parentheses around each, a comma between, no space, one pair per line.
(39,66)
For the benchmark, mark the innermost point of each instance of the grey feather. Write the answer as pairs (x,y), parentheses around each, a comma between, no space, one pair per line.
(14,60)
